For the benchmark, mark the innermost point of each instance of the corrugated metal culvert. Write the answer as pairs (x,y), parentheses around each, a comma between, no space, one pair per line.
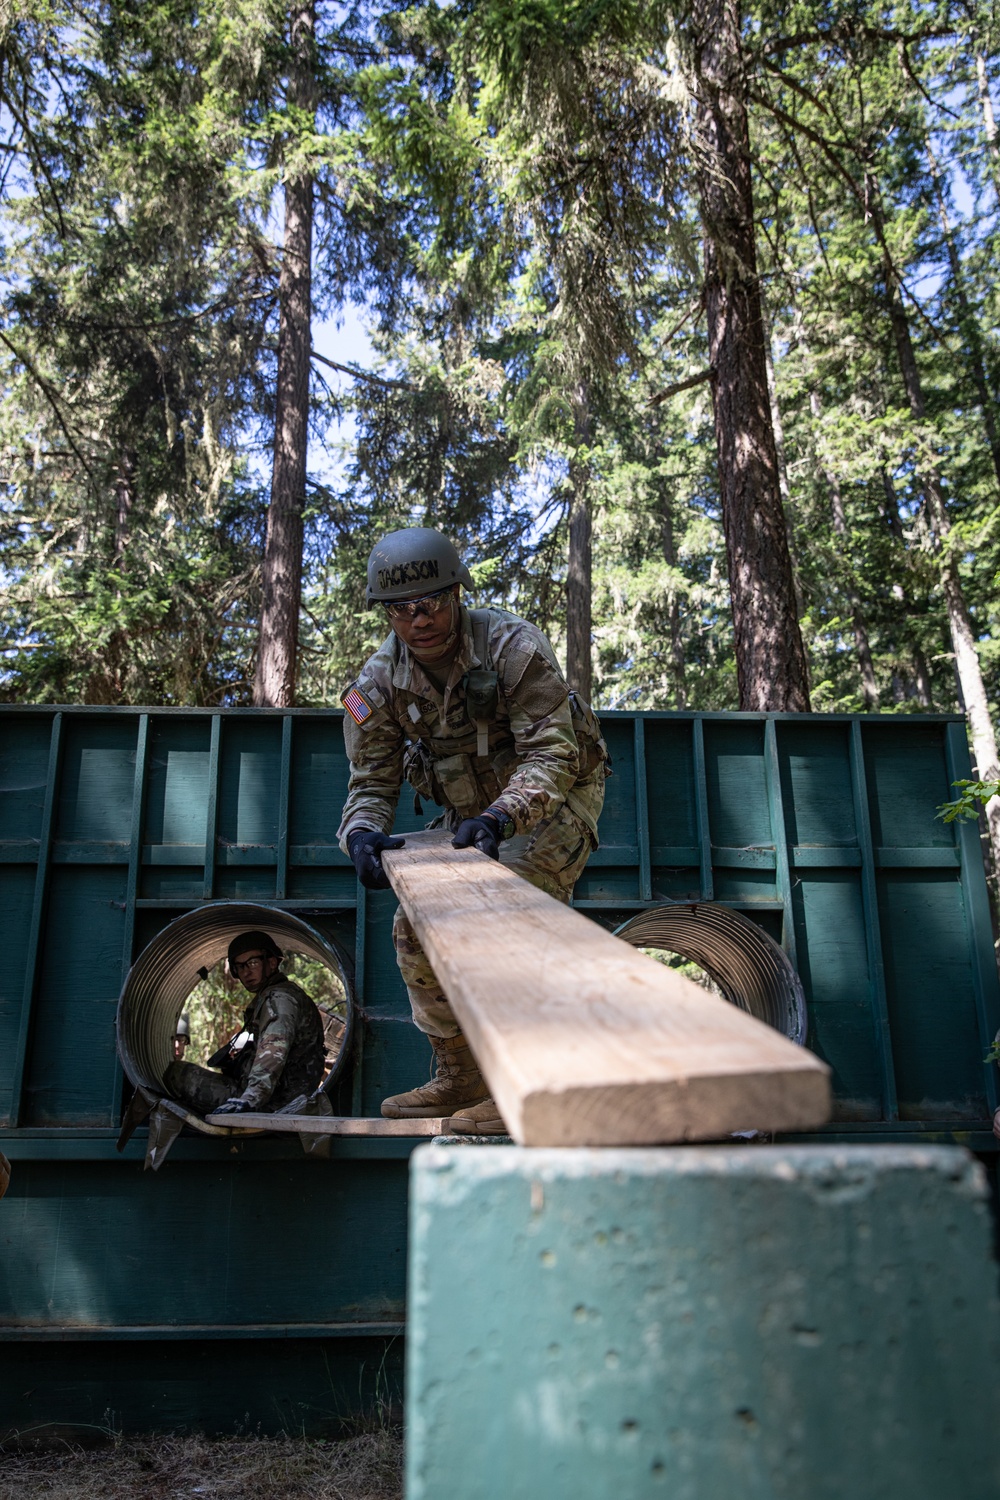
(169,967)
(747,966)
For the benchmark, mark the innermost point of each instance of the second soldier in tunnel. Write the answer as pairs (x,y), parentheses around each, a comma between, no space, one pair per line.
(281,1052)
(470,706)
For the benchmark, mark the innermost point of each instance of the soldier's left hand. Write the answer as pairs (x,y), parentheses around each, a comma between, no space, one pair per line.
(234,1107)
(482,832)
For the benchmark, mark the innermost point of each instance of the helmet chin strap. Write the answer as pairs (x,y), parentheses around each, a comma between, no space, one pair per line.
(447,646)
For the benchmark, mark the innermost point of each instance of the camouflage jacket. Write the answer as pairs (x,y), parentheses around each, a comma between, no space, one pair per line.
(284,1057)
(543,746)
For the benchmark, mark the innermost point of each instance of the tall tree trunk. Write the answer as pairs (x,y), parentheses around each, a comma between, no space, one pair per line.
(989,120)
(922,677)
(274,681)
(963,641)
(869,686)
(784,489)
(771,666)
(891,511)
(124,501)
(967,321)
(677,663)
(106,682)
(579,573)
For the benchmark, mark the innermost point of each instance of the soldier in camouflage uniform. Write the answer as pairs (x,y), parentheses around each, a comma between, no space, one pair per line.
(472,709)
(283,1054)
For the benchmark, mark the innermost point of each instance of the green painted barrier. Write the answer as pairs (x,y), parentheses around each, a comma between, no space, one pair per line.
(115,822)
(756,1323)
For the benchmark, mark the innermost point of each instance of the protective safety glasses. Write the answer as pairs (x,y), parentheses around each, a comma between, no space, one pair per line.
(408,609)
(251,961)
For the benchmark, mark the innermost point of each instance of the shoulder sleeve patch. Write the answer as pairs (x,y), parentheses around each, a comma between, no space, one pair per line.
(357,705)
(514,663)
(540,689)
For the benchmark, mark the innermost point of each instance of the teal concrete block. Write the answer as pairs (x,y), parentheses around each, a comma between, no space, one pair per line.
(712,1323)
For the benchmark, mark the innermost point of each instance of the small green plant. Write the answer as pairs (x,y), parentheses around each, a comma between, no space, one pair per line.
(972,796)
(993,1055)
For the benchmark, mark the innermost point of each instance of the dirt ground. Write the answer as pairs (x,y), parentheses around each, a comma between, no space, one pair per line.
(368,1467)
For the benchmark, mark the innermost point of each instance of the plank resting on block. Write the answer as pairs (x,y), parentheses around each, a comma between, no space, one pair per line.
(357,1125)
(582,1040)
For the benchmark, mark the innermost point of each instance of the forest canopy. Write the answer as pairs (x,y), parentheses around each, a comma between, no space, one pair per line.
(565,225)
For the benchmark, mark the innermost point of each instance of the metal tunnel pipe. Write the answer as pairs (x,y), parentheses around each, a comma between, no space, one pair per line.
(169,967)
(748,967)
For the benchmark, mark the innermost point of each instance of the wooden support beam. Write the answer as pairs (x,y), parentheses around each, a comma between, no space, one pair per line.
(584,1041)
(353,1125)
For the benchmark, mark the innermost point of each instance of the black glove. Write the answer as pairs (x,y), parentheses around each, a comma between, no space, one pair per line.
(366,845)
(482,832)
(234,1107)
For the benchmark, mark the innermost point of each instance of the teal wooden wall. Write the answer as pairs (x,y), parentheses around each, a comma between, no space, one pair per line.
(115,821)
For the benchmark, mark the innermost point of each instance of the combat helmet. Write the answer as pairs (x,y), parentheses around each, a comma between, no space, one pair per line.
(406,564)
(248,940)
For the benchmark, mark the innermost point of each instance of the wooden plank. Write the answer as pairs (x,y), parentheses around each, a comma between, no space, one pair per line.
(583,1040)
(642,813)
(284,795)
(776,810)
(977,912)
(921,858)
(701,810)
(753,857)
(826,857)
(360,990)
(212,808)
(38,909)
(356,1125)
(132,889)
(873,930)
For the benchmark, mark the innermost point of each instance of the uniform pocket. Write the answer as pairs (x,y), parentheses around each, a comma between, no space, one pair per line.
(457,780)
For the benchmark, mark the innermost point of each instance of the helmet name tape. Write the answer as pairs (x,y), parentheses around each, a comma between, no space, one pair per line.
(409,572)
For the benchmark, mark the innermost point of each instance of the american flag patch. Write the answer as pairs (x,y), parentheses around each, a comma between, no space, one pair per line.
(357,705)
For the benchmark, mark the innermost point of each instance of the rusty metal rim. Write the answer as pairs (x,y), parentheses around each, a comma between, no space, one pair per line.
(749,968)
(170,966)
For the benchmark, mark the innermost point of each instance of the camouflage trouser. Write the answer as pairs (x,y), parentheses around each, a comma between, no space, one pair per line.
(551,858)
(198,1089)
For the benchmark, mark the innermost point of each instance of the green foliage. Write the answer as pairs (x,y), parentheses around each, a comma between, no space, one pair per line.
(972,795)
(509,189)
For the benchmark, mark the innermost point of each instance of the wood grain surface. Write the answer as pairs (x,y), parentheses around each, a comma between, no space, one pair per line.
(356,1125)
(584,1041)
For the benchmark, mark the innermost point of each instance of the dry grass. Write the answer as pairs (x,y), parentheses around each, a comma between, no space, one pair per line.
(368,1467)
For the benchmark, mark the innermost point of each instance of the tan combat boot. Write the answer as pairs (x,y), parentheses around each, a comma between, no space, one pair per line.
(457,1081)
(477,1119)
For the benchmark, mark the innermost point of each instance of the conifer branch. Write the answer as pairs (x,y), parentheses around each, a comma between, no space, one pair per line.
(356,374)
(46,390)
(682,385)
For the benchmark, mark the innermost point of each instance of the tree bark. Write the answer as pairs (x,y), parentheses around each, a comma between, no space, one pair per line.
(784,489)
(771,663)
(274,680)
(105,683)
(124,501)
(967,322)
(869,685)
(677,662)
(969,671)
(989,120)
(579,573)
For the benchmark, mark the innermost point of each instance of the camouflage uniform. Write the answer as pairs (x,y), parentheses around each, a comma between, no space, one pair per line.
(544,768)
(284,1057)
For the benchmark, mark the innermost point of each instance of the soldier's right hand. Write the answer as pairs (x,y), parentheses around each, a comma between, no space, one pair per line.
(366,846)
